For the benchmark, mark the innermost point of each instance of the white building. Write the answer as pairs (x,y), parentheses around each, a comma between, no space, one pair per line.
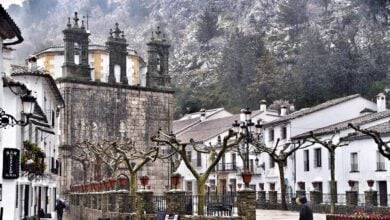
(23,193)
(359,161)
(206,130)
(302,121)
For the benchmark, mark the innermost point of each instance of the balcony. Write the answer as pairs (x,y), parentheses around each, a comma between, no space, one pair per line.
(380,166)
(226,167)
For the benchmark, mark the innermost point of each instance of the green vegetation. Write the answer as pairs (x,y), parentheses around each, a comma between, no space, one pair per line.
(315,64)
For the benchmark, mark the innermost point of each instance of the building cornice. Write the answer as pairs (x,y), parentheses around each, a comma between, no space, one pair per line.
(113,85)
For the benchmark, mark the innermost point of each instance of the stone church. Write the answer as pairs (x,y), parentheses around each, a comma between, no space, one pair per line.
(122,104)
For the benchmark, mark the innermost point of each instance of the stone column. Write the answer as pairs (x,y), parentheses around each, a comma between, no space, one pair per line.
(261,198)
(145,202)
(352,198)
(371,198)
(315,197)
(175,200)
(122,201)
(246,204)
(273,198)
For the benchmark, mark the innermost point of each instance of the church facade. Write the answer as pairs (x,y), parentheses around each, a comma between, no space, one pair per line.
(115,103)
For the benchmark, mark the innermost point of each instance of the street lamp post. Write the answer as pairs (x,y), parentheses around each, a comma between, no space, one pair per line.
(246,129)
(28,102)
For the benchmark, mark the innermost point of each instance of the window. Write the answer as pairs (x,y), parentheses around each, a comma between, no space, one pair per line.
(317,157)
(234,161)
(212,184)
(380,162)
(189,155)
(271,134)
(251,165)
(53,118)
(233,183)
(283,133)
(189,186)
(271,162)
(354,162)
(306,160)
(199,159)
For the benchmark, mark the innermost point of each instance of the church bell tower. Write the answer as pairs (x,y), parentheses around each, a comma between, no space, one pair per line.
(76,51)
(157,75)
(117,49)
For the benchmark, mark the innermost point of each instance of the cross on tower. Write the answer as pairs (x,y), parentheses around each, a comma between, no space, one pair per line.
(117,32)
(158,32)
(76,20)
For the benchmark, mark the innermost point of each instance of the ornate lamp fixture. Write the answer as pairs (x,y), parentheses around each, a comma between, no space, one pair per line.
(28,102)
(246,128)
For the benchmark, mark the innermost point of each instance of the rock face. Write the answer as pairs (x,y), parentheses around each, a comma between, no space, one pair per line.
(102,111)
(191,61)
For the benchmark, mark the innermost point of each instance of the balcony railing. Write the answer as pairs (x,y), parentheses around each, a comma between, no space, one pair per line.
(227,167)
(380,166)
(354,167)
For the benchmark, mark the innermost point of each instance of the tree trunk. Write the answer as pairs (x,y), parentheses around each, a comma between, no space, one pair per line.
(133,190)
(332,180)
(282,185)
(133,184)
(201,195)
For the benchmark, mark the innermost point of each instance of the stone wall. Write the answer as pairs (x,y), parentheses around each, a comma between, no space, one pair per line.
(97,111)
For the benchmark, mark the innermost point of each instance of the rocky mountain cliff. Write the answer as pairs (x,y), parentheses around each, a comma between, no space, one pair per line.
(282,24)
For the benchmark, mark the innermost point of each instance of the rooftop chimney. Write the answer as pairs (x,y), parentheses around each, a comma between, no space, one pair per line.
(283,110)
(242,115)
(381,102)
(32,64)
(292,108)
(202,114)
(263,105)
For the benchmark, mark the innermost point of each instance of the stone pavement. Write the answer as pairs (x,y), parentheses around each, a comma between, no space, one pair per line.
(268,215)
(285,215)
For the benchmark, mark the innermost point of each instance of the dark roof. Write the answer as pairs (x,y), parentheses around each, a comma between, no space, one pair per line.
(179,125)
(8,28)
(49,80)
(208,129)
(9,82)
(344,124)
(310,110)
(383,129)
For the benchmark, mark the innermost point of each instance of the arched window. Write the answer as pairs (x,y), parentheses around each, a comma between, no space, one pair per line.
(158,66)
(117,73)
(77,53)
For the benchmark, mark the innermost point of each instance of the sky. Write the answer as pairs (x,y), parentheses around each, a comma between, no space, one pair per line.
(6,3)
